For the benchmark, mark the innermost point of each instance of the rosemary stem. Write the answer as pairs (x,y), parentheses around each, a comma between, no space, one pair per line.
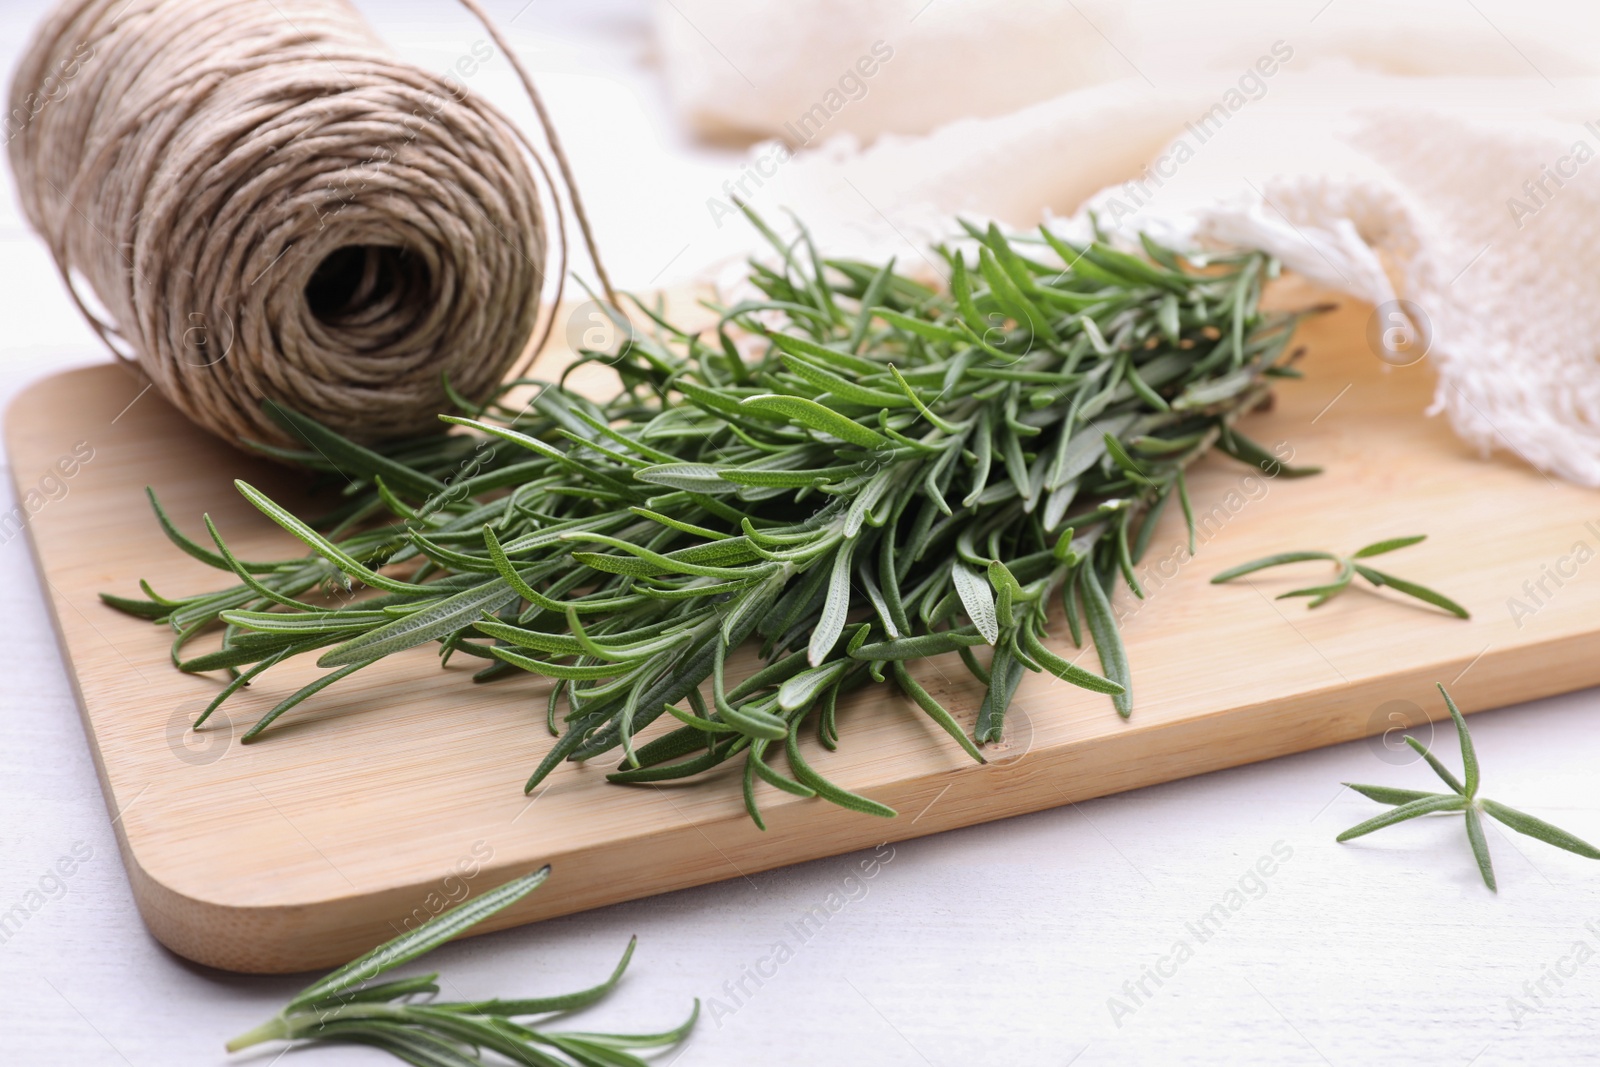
(274,1029)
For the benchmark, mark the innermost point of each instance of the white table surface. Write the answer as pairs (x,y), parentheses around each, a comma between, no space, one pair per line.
(1001,944)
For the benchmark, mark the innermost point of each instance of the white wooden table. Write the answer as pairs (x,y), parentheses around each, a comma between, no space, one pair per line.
(1071,936)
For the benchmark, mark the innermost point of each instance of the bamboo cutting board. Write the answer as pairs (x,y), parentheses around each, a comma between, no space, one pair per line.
(381,802)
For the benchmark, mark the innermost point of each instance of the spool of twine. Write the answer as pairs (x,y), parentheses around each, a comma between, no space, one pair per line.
(253,198)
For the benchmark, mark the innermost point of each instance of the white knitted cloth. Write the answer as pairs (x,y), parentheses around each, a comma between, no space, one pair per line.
(1474,199)
(1477,204)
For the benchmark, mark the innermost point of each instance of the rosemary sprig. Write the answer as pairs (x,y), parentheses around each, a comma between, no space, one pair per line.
(1463,797)
(1348,567)
(897,473)
(348,1006)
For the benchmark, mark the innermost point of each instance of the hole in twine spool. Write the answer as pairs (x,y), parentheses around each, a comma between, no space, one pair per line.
(355,285)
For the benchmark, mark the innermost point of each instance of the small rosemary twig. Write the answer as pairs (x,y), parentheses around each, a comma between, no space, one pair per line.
(1463,797)
(346,1006)
(1349,566)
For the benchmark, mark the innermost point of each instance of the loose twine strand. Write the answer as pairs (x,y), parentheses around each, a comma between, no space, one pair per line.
(253,198)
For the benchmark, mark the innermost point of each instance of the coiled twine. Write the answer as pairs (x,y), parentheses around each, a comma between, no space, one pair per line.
(252,198)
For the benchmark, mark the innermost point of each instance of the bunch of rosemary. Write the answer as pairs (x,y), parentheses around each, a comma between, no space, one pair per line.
(898,473)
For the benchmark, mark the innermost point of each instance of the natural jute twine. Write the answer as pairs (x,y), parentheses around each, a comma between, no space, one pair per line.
(252,198)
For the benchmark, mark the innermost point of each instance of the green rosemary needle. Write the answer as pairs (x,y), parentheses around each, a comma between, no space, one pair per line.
(1348,567)
(348,1006)
(899,472)
(1463,797)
